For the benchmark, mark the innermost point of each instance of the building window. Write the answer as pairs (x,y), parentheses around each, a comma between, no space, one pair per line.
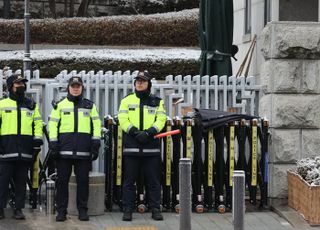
(267,11)
(247,17)
(298,10)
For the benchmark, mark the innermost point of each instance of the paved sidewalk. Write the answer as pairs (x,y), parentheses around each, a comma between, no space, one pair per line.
(265,220)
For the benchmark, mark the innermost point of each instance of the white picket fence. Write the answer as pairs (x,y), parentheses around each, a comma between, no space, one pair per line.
(107,89)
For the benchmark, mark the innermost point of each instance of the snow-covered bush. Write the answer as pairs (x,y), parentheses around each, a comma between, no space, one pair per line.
(155,6)
(159,62)
(168,29)
(309,170)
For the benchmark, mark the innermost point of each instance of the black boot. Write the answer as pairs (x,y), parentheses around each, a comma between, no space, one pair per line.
(61,217)
(156,214)
(1,213)
(18,214)
(127,215)
(83,215)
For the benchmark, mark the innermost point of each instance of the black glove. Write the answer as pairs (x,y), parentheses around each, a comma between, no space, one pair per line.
(94,156)
(36,147)
(95,145)
(54,150)
(151,131)
(133,131)
(143,137)
(37,143)
(54,154)
(2,151)
(36,151)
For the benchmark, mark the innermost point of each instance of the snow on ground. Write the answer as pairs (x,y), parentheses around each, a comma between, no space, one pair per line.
(150,54)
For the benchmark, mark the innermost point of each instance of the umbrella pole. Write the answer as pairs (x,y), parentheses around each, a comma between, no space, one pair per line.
(250,57)
(250,50)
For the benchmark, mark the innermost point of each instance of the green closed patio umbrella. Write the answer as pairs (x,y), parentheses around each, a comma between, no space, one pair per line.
(215,36)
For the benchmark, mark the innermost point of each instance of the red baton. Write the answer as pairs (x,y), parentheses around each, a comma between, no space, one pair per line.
(169,133)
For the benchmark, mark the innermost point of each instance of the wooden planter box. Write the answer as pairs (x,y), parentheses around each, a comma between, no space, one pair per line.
(304,198)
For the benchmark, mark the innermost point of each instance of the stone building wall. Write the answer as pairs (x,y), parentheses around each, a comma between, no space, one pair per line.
(291,77)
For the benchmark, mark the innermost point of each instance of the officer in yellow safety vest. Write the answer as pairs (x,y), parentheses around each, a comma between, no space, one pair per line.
(141,116)
(74,133)
(21,131)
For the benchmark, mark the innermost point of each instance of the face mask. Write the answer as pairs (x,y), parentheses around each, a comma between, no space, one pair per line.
(20,90)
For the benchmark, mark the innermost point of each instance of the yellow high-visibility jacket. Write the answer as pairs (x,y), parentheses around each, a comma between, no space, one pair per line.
(21,125)
(142,114)
(75,128)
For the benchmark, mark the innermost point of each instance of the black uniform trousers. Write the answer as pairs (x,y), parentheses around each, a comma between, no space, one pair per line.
(81,170)
(151,166)
(18,171)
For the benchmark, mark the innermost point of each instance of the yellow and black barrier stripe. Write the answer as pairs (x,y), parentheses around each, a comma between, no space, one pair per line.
(254,147)
(210,157)
(119,158)
(231,151)
(168,155)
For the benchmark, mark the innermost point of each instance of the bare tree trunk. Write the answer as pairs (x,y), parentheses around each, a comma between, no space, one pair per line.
(71,8)
(52,7)
(66,8)
(83,8)
(6,9)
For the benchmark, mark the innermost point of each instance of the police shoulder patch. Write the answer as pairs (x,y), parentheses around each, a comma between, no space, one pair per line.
(88,104)
(30,103)
(55,103)
(156,97)
(152,100)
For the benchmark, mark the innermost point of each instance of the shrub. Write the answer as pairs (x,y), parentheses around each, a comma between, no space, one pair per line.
(155,6)
(50,68)
(169,29)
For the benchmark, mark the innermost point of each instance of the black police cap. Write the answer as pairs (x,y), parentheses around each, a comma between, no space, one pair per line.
(75,80)
(15,78)
(143,75)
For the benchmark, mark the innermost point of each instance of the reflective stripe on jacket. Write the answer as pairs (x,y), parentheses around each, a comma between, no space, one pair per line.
(75,128)
(21,123)
(142,114)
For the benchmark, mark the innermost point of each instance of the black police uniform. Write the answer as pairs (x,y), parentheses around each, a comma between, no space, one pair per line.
(74,132)
(21,131)
(141,116)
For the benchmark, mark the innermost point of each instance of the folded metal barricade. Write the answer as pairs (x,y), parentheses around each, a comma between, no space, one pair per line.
(218,143)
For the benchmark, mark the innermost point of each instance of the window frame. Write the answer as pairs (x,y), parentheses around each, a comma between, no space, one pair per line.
(247,17)
(267,11)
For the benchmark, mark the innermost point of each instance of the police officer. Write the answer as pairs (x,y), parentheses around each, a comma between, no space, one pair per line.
(141,116)
(21,131)
(74,132)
